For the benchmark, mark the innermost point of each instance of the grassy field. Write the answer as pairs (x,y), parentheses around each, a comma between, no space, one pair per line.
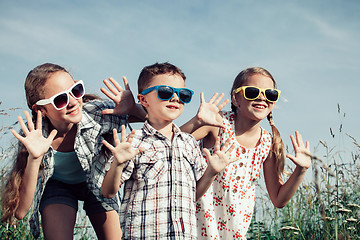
(326,206)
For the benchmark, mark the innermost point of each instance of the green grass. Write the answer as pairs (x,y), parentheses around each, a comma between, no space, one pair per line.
(326,205)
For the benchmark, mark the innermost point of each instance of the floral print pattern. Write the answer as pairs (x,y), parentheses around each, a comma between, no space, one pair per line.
(225,210)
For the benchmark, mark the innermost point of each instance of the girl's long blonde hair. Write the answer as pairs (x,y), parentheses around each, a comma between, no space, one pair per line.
(277,146)
(34,87)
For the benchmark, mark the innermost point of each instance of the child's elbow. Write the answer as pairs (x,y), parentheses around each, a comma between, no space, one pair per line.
(106,194)
(20,214)
(279,205)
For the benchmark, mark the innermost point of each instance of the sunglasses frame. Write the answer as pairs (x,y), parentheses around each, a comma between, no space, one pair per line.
(175,90)
(67,92)
(261,90)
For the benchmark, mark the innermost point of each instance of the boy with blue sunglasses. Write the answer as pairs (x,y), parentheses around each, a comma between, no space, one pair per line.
(162,168)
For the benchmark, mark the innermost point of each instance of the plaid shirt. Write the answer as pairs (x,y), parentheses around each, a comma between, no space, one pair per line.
(88,144)
(160,186)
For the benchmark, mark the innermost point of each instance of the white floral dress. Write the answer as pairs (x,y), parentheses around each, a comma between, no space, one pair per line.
(225,210)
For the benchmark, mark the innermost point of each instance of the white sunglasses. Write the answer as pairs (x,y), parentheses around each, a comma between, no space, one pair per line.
(61,99)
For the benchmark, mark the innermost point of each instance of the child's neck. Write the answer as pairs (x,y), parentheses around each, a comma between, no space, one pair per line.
(165,128)
(247,133)
(64,141)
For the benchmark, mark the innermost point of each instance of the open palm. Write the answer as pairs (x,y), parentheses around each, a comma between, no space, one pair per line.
(123,150)
(302,156)
(221,156)
(209,112)
(34,141)
(123,98)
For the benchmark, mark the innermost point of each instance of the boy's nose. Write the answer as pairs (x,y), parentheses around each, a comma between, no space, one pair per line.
(175,97)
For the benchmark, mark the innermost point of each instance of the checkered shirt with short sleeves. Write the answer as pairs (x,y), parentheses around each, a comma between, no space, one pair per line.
(160,186)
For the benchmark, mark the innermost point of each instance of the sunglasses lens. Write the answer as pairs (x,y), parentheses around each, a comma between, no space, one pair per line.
(165,93)
(78,91)
(272,95)
(61,100)
(251,93)
(185,95)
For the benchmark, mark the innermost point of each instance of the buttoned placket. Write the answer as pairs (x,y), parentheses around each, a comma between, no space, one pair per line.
(174,165)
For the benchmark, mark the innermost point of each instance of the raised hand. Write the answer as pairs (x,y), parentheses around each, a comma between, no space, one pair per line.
(209,112)
(221,156)
(122,151)
(302,156)
(123,99)
(36,144)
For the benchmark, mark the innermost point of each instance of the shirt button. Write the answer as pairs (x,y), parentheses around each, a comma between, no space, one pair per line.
(241,164)
(235,190)
(238,178)
(243,151)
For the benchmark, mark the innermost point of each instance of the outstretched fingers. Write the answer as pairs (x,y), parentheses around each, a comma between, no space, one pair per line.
(39,120)
(30,125)
(52,135)
(29,121)
(23,125)
(131,136)
(298,142)
(17,135)
(217,144)
(123,133)
(227,148)
(114,88)
(218,99)
(299,139)
(117,85)
(213,99)
(207,153)
(126,83)
(223,104)
(302,156)
(108,145)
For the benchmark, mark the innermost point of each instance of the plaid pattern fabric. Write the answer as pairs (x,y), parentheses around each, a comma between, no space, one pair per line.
(88,144)
(160,186)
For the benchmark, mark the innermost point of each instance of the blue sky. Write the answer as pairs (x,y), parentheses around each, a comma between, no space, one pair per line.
(312,48)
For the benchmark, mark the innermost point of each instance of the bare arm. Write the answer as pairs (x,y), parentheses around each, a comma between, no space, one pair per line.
(122,152)
(280,193)
(36,146)
(111,184)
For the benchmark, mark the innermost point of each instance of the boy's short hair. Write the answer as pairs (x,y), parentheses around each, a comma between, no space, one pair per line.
(148,72)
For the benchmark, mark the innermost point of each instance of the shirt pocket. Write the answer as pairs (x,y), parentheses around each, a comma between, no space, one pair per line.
(189,166)
(151,166)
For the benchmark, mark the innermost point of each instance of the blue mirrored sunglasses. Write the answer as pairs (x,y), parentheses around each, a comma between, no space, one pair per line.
(166,93)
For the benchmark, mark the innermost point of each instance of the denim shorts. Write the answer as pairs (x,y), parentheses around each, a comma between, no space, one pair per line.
(57,192)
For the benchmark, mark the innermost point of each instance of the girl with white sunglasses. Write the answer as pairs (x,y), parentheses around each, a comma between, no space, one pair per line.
(225,210)
(60,158)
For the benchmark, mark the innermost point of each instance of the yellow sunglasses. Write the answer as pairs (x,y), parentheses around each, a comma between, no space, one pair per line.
(252,93)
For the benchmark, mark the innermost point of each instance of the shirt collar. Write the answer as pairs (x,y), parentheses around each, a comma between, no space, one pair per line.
(150,130)
(87,121)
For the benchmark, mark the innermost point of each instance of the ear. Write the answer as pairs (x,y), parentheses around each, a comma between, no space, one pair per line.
(234,100)
(142,100)
(37,108)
